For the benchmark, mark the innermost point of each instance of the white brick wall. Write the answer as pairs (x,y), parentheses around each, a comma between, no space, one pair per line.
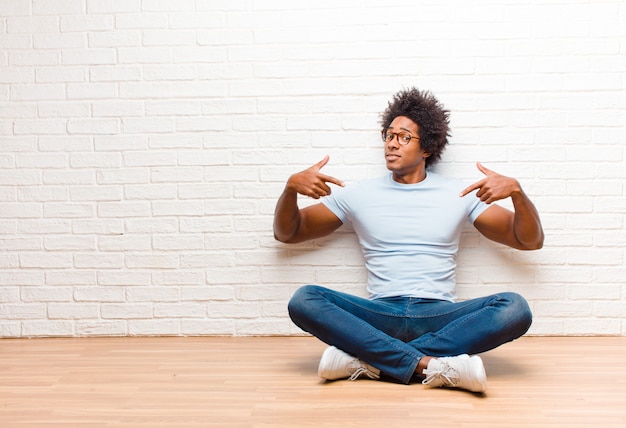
(143,144)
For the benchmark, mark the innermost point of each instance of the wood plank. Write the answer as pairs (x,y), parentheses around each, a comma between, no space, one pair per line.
(272,382)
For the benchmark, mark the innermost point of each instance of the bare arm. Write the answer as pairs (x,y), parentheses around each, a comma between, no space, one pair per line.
(292,224)
(520,229)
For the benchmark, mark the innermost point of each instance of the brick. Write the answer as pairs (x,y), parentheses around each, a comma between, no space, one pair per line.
(113,6)
(144,55)
(124,243)
(68,210)
(59,7)
(123,176)
(20,210)
(155,327)
(179,310)
(233,309)
(22,311)
(126,311)
(91,56)
(151,225)
(10,329)
(152,261)
(55,75)
(9,261)
(177,208)
(124,209)
(204,259)
(59,41)
(98,227)
(151,191)
(47,328)
(203,224)
(107,73)
(151,158)
(168,108)
(168,5)
(86,23)
(65,143)
(177,243)
(45,260)
(147,125)
(72,311)
(99,294)
(63,278)
(114,39)
(10,294)
(178,141)
(126,278)
(118,108)
(203,191)
(265,326)
(142,20)
(69,243)
(152,294)
(188,277)
(98,261)
(204,293)
(13,8)
(92,328)
(93,126)
(204,327)
(40,127)
(93,193)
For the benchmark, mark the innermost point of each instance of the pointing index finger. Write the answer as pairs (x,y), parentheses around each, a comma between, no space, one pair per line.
(329,179)
(472,187)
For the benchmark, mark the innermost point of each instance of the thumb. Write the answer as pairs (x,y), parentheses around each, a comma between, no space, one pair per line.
(322,163)
(483,169)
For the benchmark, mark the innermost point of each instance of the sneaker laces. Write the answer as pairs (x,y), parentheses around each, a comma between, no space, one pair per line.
(357,368)
(446,374)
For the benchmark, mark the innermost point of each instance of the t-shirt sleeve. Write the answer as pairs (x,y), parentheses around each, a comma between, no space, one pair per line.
(476,209)
(336,202)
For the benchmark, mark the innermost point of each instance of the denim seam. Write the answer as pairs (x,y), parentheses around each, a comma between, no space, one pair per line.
(457,307)
(407,377)
(464,321)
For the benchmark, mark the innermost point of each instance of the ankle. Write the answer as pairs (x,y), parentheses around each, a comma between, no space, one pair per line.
(423,364)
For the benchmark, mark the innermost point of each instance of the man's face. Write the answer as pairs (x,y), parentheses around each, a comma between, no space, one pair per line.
(403,154)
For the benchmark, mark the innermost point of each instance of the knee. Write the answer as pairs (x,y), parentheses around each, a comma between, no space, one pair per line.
(518,311)
(299,303)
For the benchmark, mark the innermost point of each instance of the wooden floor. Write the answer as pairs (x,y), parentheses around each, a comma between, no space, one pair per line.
(272,382)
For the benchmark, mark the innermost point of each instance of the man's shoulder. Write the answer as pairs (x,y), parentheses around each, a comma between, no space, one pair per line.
(445,181)
(368,184)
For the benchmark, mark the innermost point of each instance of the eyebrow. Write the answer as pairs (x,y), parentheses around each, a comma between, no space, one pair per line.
(402,129)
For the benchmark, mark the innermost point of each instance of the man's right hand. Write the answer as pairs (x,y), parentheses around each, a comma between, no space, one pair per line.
(311,182)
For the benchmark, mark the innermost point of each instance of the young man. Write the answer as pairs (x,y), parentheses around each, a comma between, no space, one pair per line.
(409,224)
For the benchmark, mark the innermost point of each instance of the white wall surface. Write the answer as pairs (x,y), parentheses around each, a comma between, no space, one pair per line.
(144,144)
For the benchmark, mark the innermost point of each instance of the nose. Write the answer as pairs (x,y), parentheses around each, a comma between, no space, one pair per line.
(394,142)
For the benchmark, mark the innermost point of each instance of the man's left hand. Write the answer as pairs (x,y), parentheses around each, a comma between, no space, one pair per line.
(493,187)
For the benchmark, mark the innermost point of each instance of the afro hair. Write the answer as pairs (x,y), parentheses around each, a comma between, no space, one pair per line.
(428,113)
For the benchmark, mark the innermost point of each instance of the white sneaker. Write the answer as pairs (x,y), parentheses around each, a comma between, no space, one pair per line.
(336,364)
(461,371)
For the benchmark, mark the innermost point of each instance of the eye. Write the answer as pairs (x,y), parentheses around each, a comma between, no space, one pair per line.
(387,136)
(406,138)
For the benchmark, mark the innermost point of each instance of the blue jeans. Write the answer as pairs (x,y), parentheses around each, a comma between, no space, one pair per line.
(393,334)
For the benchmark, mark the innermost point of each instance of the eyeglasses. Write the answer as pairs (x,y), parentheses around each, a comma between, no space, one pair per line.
(404,138)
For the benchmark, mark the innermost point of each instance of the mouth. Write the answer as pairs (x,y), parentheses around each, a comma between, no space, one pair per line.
(390,157)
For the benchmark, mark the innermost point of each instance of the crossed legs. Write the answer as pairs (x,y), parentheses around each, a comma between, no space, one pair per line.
(400,335)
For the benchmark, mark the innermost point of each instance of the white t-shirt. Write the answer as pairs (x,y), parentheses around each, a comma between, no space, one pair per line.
(409,233)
